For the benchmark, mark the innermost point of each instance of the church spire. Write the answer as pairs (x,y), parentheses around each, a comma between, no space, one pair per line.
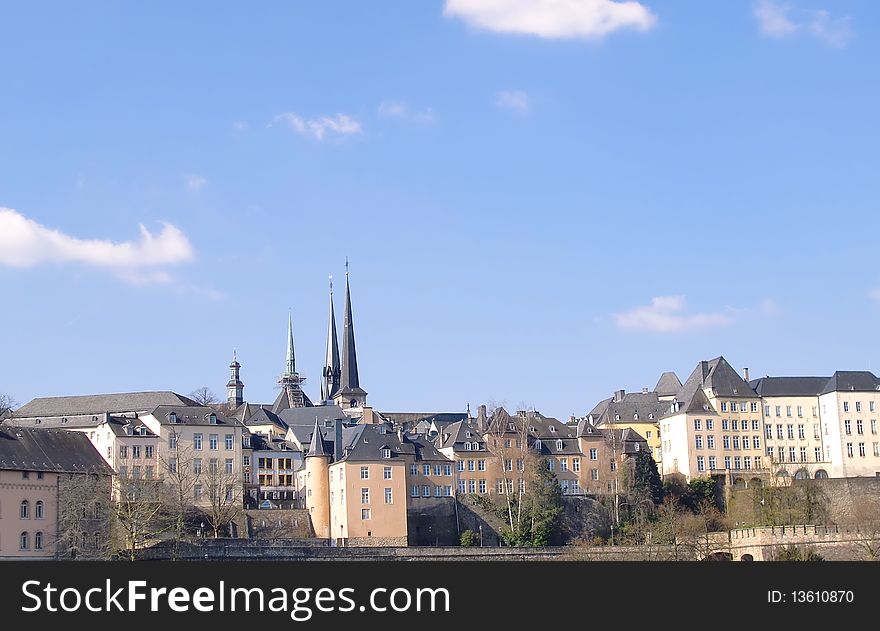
(234,387)
(330,382)
(290,368)
(317,446)
(350,393)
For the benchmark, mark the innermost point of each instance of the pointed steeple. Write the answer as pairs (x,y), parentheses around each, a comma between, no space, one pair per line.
(291,357)
(350,393)
(317,447)
(330,381)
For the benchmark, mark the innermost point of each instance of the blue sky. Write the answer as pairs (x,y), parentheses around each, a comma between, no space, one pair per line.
(540,204)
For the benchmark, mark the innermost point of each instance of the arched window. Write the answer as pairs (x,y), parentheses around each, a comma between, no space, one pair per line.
(97,540)
(38,510)
(97,510)
(821,474)
(38,540)
(25,511)
(23,542)
(84,540)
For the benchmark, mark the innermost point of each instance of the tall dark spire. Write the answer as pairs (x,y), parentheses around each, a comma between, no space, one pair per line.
(349,353)
(291,395)
(330,381)
(350,393)
(234,387)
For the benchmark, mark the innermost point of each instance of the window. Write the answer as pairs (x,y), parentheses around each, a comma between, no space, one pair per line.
(877,449)
(197,465)
(754,406)
(414,490)
(735,424)
(481,465)
(24,511)
(388,496)
(197,492)
(858,406)
(800,410)
(123,472)
(386,453)
(756,424)
(779,434)
(724,406)
(792,454)
(594,474)
(470,465)
(551,464)
(148,472)
(228,438)
(38,510)
(871,406)
(725,424)
(426,468)
(846,406)
(559,445)
(413,469)
(148,451)
(788,410)
(472,486)
(737,462)
(212,441)
(576,464)
(701,464)
(460,486)
(123,452)
(873,426)
(697,424)
(23,541)
(538,445)
(482,486)
(710,424)
(136,471)
(227,466)
(768,431)
(766,410)
(698,442)
(725,441)
(747,462)
(736,442)
(574,487)
(712,462)
(847,427)
(778,410)
(172,441)
(756,442)
(648,434)
(197,441)
(803,454)
(862,449)
(461,465)
(790,431)
(135,451)
(710,442)
(859,427)
(386,473)
(781,453)
(172,465)
(801,433)
(365,473)
(447,491)
(365,514)
(447,469)
(365,495)
(38,540)
(594,454)
(727,462)
(817,453)
(733,406)
(815,430)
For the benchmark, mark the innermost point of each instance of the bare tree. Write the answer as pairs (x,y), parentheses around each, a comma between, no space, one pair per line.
(866,513)
(140,514)
(7,405)
(181,474)
(204,396)
(84,516)
(223,493)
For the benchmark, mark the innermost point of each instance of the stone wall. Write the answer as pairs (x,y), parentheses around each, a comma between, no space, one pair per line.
(432,521)
(278,524)
(833,543)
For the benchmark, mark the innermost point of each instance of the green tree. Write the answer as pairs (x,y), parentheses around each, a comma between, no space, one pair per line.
(544,505)
(646,478)
(469,538)
(797,553)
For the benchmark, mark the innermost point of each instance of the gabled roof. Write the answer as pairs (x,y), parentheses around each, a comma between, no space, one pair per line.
(283,402)
(852,381)
(364,443)
(192,415)
(306,416)
(455,434)
(788,386)
(100,403)
(316,444)
(639,407)
(50,450)
(262,416)
(668,385)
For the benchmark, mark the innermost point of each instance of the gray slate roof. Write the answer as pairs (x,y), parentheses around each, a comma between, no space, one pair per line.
(117,423)
(193,415)
(789,386)
(455,435)
(644,404)
(306,416)
(853,381)
(668,385)
(100,403)
(50,450)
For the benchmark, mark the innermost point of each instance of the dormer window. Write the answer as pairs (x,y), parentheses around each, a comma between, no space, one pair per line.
(552,430)
(650,417)
(172,417)
(511,426)
(328,422)
(531,428)
(636,416)
(468,434)
(617,417)
(538,445)
(559,445)
(212,418)
(386,453)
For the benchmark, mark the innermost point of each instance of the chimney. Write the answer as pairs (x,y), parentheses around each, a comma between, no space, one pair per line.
(482,424)
(400,433)
(618,395)
(337,441)
(106,417)
(644,391)
(746,374)
(704,369)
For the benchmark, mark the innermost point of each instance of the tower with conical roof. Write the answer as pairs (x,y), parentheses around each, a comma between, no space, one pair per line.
(234,387)
(317,500)
(350,393)
(291,395)
(332,370)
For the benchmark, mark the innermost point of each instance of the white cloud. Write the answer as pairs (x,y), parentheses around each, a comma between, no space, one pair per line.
(24,243)
(318,128)
(875,294)
(399,109)
(240,125)
(553,18)
(780,20)
(667,314)
(194,183)
(514,100)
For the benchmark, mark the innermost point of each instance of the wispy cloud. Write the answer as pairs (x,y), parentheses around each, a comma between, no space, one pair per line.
(24,243)
(320,127)
(875,295)
(513,100)
(783,19)
(553,19)
(400,109)
(668,314)
(240,125)
(194,183)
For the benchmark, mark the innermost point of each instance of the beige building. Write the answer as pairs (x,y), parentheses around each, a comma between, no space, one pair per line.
(54,495)
(849,408)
